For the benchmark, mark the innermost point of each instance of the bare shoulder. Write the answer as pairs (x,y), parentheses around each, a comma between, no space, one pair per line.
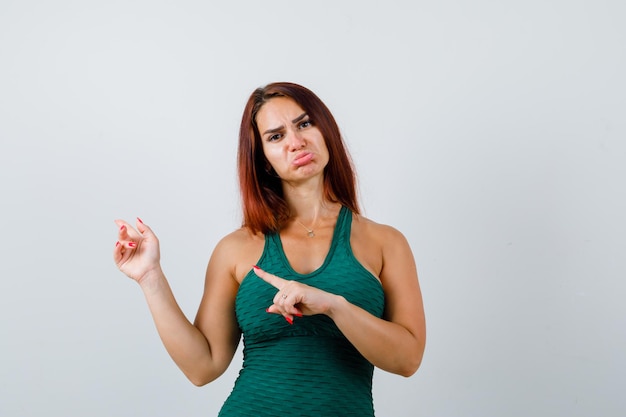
(238,251)
(397,270)
(372,243)
(381,234)
(237,239)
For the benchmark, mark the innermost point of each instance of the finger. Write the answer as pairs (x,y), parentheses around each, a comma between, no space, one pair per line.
(280,299)
(127,230)
(120,223)
(123,229)
(285,304)
(118,253)
(288,317)
(143,228)
(271,279)
(127,236)
(123,249)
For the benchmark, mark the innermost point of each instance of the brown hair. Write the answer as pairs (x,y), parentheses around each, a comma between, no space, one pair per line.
(264,208)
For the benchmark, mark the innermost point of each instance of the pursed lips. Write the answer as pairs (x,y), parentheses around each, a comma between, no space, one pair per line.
(302,158)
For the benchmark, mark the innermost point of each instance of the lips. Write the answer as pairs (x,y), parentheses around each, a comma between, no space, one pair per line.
(303,159)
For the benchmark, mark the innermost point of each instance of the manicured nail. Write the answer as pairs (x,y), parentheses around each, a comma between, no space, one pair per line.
(255,267)
(123,227)
(140,221)
(267,310)
(117,244)
(289,320)
(132,244)
(297,314)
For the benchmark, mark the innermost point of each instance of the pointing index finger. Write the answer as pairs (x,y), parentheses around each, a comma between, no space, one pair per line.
(273,280)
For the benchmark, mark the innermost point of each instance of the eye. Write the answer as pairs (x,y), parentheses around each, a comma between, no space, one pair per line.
(274,137)
(304,124)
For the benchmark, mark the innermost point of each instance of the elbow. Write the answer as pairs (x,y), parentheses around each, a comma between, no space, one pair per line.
(410,368)
(201,377)
(411,364)
(200,380)
(203,372)
(199,383)
(405,367)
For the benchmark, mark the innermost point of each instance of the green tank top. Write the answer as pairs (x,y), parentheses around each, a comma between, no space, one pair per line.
(308,368)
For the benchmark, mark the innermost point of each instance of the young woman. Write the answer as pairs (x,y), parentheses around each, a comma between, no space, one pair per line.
(320,293)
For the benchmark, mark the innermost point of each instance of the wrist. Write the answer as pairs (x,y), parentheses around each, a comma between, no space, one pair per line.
(336,305)
(151,278)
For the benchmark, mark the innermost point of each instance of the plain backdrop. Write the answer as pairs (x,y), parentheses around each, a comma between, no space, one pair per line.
(491,133)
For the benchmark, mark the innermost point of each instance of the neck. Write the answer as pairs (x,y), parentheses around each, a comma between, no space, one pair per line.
(306,200)
(308,210)
(314,218)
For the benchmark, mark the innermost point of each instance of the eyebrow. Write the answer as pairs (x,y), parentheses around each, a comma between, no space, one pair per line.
(279,128)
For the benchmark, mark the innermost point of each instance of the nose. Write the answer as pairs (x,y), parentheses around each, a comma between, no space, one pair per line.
(296,141)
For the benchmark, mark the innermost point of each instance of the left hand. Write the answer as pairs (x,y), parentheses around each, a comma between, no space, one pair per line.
(294,298)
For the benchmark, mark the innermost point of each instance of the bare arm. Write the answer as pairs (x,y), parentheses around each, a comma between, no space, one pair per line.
(395,343)
(202,353)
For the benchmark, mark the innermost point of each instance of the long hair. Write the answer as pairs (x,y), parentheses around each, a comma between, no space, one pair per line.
(264,207)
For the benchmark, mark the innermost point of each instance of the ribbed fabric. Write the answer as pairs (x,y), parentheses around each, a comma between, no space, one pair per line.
(307,369)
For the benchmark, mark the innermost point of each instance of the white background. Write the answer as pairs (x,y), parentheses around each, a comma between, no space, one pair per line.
(491,133)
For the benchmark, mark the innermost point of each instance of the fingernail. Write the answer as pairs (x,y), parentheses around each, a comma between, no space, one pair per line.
(298,314)
(123,227)
(117,244)
(255,267)
(289,320)
(267,310)
(132,244)
(140,221)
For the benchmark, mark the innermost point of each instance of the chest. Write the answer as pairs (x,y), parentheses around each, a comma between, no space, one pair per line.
(306,254)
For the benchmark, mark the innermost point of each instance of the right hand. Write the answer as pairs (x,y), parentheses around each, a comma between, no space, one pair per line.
(136,252)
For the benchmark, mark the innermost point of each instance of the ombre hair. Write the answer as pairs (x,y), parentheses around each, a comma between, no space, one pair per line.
(264,207)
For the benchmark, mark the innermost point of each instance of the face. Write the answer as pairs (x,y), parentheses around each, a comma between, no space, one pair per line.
(291,143)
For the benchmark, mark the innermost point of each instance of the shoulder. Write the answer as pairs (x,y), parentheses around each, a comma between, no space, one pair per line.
(381,234)
(238,251)
(239,238)
(374,244)
(398,272)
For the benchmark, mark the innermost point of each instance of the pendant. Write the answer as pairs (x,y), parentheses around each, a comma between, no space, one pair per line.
(311,233)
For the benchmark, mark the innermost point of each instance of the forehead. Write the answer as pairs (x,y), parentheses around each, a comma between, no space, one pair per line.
(276,112)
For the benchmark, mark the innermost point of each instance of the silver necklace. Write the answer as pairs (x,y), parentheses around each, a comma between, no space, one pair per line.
(310,232)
